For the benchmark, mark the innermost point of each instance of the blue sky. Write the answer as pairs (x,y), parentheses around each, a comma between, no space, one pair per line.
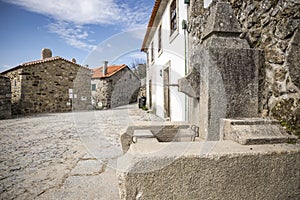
(88,30)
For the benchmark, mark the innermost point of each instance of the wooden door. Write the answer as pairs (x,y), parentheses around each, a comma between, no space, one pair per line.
(166,92)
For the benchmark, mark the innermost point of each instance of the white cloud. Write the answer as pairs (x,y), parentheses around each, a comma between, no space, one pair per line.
(75,11)
(89,11)
(4,67)
(71,17)
(74,35)
(138,56)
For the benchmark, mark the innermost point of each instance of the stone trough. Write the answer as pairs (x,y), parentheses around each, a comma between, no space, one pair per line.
(160,131)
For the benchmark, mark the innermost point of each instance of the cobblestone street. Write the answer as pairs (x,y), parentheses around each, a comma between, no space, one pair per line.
(64,156)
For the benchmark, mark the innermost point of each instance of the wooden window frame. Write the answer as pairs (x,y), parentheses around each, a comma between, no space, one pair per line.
(173,17)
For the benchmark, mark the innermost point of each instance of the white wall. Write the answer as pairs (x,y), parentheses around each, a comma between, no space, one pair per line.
(173,51)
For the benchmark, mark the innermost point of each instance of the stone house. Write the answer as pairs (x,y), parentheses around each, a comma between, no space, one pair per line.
(52,84)
(5,98)
(114,86)
(164,43)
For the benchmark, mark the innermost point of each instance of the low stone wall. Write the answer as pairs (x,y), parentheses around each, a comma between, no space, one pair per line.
(5,98)
(209,170)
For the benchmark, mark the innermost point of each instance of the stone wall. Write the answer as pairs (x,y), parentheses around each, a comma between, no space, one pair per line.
(5,98)
(209,170)
(82,88)
(120,89)
(15,80)
(45,87)
(272,26)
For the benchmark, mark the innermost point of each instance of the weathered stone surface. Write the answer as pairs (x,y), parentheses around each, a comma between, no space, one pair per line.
(274,56)
(287,111)
(189,84)
(222,20)
(88,167)
(227,171)
(293,58)
(249,131)
(5,98)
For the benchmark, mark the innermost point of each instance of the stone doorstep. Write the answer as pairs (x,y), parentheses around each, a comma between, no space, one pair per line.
(250,131)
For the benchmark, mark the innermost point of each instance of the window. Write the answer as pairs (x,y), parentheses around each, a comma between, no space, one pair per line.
(148,57)
(159,38)
(93,87)
(130,76)
(152,52)
(173,17)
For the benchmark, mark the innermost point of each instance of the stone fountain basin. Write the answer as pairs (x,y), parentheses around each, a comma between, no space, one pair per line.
(157,131)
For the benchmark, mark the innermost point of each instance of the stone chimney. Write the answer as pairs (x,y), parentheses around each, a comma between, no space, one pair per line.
(104,69)
(46,53)
(73,60)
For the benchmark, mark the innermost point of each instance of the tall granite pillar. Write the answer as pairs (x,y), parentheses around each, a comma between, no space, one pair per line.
(224,77)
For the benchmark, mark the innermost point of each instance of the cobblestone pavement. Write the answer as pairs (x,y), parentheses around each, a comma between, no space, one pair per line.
(64,156)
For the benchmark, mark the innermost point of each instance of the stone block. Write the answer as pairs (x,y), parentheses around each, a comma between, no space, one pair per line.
(249,131)
(222,19)
(227,171)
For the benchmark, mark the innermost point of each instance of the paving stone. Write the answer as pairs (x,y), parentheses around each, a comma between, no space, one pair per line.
(88,167)
(50,156)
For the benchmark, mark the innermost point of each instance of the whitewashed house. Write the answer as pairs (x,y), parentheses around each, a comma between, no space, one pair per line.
(165,43)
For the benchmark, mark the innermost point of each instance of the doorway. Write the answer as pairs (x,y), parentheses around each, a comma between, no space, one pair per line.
(166,82)
(150,94)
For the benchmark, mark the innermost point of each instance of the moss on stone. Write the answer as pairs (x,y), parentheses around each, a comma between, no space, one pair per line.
(287,111)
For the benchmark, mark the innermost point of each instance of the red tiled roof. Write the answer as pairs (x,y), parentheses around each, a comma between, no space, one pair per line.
(111,70)
(150,23)
(41,61)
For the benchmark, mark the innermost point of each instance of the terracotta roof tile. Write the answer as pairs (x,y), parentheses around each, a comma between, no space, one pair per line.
(111,70)
(41,61)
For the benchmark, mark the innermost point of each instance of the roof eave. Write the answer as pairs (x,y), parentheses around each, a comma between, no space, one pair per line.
(151,23)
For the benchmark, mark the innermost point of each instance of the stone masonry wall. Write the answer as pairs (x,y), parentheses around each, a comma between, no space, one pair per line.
(44,87)
(272,26)
(15,80)
(120,89)
(125,89)
(82,88)
(5,98)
